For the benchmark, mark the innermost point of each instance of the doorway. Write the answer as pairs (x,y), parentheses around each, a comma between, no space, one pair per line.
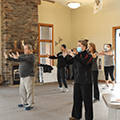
(116,47)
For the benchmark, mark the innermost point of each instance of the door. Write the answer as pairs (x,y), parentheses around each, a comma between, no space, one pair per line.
(116,47)
(118,55)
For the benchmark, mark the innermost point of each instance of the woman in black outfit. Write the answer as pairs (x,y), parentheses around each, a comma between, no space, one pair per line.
(94,70)
(82,81)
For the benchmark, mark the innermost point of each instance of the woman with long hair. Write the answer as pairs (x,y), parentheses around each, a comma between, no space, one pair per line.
(94,70)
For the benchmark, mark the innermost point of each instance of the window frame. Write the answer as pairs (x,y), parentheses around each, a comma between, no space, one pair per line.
(43,40)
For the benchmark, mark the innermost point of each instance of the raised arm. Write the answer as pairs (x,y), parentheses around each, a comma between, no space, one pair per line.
(28,58)
(95,55)
(53,57)
(110,53)
(101,53)
(10,57)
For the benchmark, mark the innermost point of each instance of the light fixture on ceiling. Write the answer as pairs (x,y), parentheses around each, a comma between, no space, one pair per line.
(74,5)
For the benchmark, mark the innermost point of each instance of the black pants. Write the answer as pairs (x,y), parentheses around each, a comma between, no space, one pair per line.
(82,92)
(109,70)
(95,82)
(61,77)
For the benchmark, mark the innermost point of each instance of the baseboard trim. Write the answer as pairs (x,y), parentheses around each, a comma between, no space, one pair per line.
(104,81)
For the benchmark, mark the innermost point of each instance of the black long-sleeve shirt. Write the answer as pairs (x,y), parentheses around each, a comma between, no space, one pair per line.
(61,61)
(82,63)
(26,66)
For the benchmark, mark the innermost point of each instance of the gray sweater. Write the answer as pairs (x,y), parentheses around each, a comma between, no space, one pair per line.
(94,64)
(26,66)
(109,59)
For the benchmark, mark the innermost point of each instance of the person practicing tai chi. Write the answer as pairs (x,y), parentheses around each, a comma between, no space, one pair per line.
(109,65)
(26,72)
(94,71)
(61,68)
(82,62)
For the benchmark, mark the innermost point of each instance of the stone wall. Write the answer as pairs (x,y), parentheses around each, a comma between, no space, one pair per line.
(19,22)
(0,37)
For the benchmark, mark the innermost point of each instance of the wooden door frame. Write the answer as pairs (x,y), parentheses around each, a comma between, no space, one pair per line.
(113,36)
(48,25)
(114,43)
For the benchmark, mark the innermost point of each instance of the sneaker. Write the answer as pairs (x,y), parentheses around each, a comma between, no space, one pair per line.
(65,90)
(112,88)
(105,87)
(29,108)
(95,100)
(21,105)
(59,89)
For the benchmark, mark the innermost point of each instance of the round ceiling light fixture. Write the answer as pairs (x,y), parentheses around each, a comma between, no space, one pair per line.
(74,5)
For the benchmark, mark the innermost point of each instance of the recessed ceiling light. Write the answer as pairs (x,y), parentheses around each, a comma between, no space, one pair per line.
(74,5)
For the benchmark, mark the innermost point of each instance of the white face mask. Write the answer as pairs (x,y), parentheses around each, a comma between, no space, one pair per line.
(107,49)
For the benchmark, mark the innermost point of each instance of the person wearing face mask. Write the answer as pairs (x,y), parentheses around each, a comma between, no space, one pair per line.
(108,65)
(61,67)
(82,62)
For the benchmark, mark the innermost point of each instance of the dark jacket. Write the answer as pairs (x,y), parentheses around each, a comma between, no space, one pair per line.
(46,68)
(82,63)
(26,66)
(61,61)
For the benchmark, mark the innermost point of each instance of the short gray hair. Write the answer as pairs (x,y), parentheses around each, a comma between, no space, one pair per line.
(29,47)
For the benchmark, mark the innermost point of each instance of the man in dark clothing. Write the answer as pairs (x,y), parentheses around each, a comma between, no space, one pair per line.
(26,72)
(82,82)
(61,68)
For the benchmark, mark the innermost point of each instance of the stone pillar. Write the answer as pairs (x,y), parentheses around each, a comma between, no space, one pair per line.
(19,22)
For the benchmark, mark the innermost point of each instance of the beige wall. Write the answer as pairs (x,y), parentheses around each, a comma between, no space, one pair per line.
(0,36)
(97,27)
(60,16)
(72,25)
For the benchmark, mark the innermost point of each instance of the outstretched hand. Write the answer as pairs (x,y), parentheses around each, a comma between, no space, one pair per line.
(5,55)
(13,55)
(47,55)
(70,52)
(17,54)
(10,55)
(94,55)
(101,53)
(55,55)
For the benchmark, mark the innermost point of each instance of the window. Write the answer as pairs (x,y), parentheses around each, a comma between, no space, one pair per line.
(46,43)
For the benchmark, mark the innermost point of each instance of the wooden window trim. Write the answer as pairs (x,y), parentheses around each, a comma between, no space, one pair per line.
(41,40)
(113,36)
(45,40)
(43,55)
